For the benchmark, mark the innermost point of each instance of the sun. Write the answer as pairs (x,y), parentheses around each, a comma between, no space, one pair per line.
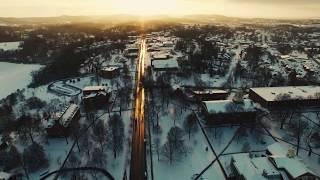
(144,7)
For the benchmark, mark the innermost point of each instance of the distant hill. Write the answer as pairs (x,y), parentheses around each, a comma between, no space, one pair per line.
(118,19)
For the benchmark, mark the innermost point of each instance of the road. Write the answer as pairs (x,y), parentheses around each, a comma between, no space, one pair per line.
(138,161)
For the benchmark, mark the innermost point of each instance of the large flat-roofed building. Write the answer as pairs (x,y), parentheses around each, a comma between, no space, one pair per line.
(131,51)
(246,168)
(62,124)
(92,89)
(209,94)
(229,112)
(274,97)
(290,165)
(95,97)
(110,72)
(279,163)
(165,65)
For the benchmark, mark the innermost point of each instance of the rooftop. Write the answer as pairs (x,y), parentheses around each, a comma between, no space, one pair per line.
(228,106)
(112,68)
(291,92)
(68,115)
(94,88)
(292,166)
(254,168)
(278,149)
(164,64)
(210,91)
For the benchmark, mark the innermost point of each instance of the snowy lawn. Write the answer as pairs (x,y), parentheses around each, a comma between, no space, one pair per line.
(15,76)
(189,164)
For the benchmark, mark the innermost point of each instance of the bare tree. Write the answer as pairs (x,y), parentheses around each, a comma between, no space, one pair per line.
(157,146)
(174,146)
(298,127)
(28,126)
(242,132)
(116,134)
(34,157)
(85,144)
(100,133)
(98,158)
(246,147)
(73,160)
(190,124)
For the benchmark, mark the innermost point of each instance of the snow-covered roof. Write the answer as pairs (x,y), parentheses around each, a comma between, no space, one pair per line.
(285,56)
(254,168)
(68,115)
(278,149)
(94,88)
(165,64)
(228,106)
(92,95)
(160,55)
(294,92)
(264,166)
(210,91)
(292,166)
(112,68)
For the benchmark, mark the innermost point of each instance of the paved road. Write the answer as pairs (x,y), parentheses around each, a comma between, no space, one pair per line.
(138,160)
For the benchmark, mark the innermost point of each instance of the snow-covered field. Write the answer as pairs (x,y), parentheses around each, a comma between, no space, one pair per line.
(10,46)
(194,161)
(15,76)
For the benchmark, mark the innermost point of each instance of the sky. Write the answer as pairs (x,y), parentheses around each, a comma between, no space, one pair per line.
(236,8)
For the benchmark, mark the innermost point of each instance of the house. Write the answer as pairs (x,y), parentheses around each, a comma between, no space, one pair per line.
(165,65)
(275,97)
(62,124)
(229,112)
(160,56)
(92,89)
(280,164)
(95,97)
(244,167)
(209,94)
(110,72)
(168,44)
(290,166)
(131,52)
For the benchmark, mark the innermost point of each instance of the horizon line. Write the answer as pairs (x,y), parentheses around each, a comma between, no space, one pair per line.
(169,16)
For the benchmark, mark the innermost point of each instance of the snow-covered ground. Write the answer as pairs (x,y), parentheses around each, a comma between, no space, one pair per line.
(15,76)
(10,46)
(194,161)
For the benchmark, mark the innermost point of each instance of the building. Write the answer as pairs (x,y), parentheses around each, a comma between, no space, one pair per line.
(208,94)
(229,112)
(110,72)
(279,164)
(160,56)
(274,97)
(61,125)
(165,65)
(92,89)
(131,52)
(289,165)
(95,97)
(244,167)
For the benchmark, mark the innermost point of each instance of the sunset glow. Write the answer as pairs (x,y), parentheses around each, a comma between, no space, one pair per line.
(239,8)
